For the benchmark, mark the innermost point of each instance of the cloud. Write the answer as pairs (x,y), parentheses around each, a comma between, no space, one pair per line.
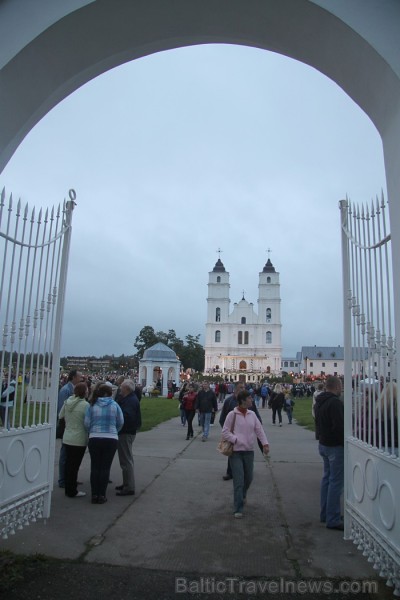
(181,153)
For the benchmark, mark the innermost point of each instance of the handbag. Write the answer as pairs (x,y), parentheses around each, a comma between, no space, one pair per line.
(60,428)
(225,447)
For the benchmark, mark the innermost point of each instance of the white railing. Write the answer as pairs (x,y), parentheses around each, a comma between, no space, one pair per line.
(372,467)
(34,249)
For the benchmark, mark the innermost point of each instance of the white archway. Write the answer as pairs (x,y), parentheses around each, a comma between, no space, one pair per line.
(356,45)
(47,56)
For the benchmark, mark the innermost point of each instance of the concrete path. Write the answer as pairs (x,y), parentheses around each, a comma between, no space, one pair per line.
(180,519)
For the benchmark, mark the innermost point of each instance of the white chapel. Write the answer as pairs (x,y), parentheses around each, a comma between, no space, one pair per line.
(244,344)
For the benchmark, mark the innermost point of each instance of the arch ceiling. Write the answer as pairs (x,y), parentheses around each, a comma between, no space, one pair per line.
(50,51)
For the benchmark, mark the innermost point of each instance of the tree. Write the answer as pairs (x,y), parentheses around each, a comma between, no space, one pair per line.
(193,353)
(146,338)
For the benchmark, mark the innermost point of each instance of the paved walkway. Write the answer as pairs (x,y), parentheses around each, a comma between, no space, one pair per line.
(181,521)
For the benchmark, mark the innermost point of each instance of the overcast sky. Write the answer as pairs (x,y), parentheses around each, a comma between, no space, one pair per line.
(178,154)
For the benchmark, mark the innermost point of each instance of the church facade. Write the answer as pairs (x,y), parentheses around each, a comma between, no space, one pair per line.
(244,344)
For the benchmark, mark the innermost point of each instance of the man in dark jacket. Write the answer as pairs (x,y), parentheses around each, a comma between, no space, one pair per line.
(230,403)
(206,404)
(130,407)
(329,419)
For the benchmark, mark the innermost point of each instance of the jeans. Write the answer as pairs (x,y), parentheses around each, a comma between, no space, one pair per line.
(332,484)
(205,420)
(289,412)
(125,455)
(61,466)
(242,464)
(102,452)
(189,418)
(3,409)
(73,456)
(279,411)
(183,416)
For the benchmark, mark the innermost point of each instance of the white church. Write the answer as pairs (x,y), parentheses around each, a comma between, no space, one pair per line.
(244,344)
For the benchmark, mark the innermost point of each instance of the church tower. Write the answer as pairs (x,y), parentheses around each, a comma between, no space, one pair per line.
(269,314)
(217,312)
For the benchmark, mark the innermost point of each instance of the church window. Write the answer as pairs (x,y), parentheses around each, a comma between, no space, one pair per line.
(268,279)
(268,337)
(218,279)
(217,314)
(240,337)
(243,320)
(285,364)
(246,337)
(291,363)
(268,314)
(217,336)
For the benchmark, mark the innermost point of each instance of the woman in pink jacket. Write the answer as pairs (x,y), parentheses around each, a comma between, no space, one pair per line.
(242,427)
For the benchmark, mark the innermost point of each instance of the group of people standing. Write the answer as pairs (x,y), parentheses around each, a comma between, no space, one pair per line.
(106,425)
(103,424)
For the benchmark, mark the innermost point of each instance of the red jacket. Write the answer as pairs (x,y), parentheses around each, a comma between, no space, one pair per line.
(189,401)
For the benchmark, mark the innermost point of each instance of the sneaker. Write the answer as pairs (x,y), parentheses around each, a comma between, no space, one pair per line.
(238,515)
(280,424)
(203,439)
(80,494)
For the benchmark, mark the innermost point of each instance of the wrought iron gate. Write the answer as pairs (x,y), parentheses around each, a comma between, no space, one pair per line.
(34,248)
(372,464)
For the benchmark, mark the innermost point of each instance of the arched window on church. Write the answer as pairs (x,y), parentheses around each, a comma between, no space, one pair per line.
(240,337)
(217,314)
(268,337)
(246,337)
(218,279)
(243,320)
(218,336)
(268,315)
(268,279)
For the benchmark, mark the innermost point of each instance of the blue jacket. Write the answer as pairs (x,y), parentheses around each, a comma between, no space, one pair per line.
(104,419)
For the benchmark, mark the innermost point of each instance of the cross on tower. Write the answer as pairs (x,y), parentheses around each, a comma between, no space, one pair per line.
(243,295)
(219,252)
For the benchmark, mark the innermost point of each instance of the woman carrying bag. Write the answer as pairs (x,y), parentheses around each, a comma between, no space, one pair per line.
(246,429)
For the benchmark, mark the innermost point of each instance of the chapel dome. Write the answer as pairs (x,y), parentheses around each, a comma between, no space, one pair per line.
(159,352)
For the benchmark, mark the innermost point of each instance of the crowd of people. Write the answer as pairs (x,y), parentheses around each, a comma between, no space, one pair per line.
(104,417)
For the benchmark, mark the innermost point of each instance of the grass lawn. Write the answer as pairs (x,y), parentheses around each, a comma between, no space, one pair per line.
(302,412)
(157,410)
